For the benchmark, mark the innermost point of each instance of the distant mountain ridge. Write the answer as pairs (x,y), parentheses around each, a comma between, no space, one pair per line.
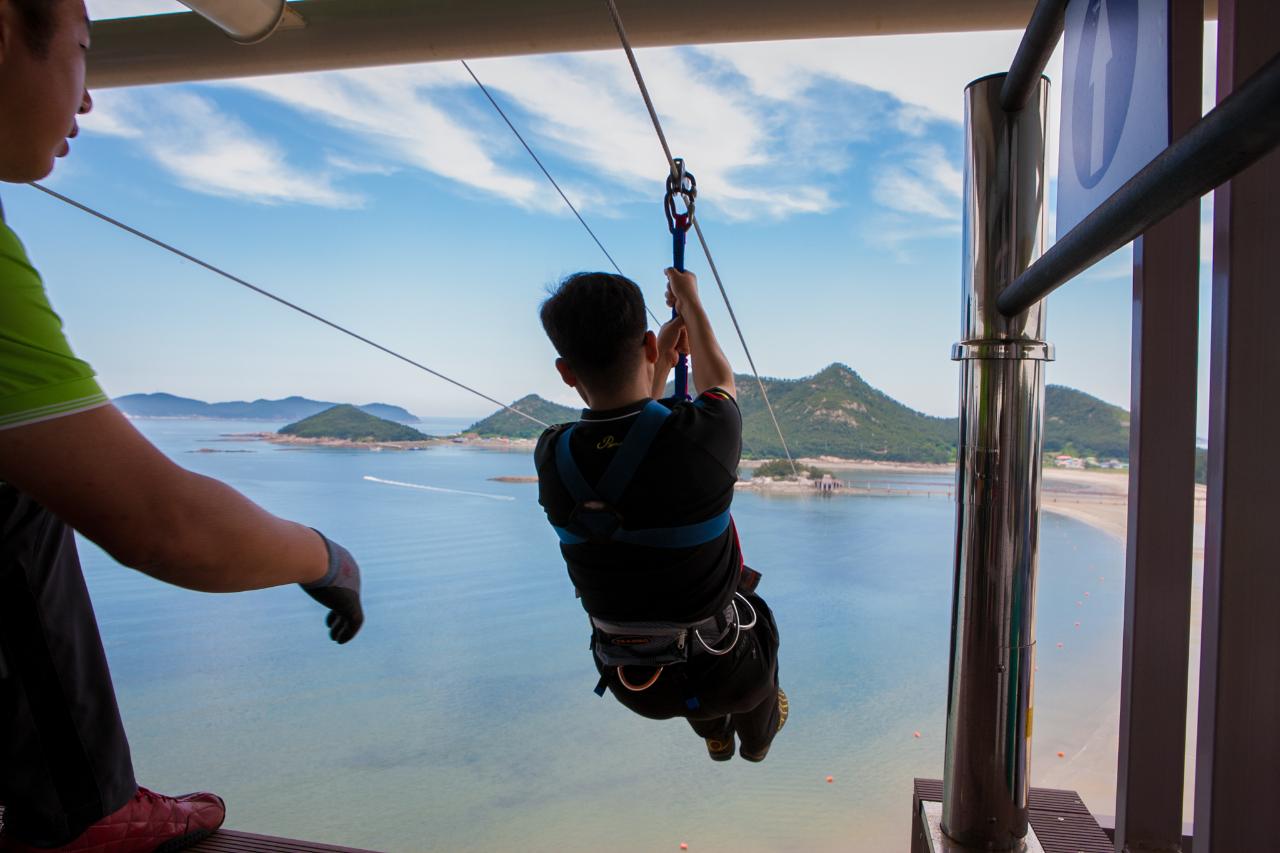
(836,412)
(289,409)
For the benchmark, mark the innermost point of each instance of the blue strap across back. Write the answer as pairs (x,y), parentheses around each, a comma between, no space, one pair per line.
(603,524)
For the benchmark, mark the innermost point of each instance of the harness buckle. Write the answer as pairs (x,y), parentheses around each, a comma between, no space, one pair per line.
(597,520)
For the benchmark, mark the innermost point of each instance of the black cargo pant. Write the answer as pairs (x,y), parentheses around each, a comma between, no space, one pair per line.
(718,695)
(64,759)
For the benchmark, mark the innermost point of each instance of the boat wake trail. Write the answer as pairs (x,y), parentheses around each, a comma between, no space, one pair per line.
(437,489)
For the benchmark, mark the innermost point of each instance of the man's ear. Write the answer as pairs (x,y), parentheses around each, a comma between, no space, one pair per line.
(566,373)
(650,347)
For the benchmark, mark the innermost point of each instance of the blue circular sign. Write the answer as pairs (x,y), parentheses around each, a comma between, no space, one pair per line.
(1103,85)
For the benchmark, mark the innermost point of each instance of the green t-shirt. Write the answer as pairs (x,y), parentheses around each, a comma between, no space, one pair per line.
(40,378)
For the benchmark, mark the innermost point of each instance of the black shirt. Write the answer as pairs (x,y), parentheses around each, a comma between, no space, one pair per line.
(686,477)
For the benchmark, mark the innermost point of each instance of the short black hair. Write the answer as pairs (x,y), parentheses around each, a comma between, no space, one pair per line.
(596,321)
(39,20)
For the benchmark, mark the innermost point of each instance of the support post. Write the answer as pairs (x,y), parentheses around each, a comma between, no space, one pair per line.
(1157,597)
(1238,740)
(986,774)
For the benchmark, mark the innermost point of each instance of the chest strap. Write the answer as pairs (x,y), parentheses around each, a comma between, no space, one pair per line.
(594,517)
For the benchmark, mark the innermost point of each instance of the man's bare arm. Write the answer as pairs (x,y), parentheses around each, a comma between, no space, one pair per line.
(97,473)
(711,369)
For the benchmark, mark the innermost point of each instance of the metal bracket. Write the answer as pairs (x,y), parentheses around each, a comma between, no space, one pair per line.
(931,818)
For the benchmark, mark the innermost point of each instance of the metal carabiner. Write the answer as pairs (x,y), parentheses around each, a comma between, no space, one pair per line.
(680,183)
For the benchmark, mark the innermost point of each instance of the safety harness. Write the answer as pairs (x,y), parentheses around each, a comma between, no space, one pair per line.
(595,517)
(596,520)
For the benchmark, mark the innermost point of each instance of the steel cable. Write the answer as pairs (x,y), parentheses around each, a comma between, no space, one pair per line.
(280,299)
(553,181)
(706,250)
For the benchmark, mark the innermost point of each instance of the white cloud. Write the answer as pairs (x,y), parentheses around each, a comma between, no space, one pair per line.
(584,109)
(765,127)
(392,111)
(924,71)
(925,183)
(208,151)
(897,234)
(109,115)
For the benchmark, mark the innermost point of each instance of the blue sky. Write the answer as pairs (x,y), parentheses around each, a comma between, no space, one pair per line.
(396,201)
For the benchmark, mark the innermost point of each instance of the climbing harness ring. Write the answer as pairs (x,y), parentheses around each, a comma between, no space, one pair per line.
(638,689)
(738,626)
(682,184)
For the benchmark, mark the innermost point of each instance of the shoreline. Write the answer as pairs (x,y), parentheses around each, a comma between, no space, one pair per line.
(477,442)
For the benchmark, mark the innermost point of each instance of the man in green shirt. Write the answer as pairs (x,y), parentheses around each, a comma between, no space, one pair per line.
(70,460)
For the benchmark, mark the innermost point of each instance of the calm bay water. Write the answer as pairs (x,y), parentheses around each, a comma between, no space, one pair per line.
(462,717)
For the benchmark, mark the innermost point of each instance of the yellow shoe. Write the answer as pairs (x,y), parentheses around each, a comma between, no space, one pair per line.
(784,709)
(720,749)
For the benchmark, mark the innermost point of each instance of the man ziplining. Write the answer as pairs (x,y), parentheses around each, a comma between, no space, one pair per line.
(639,491)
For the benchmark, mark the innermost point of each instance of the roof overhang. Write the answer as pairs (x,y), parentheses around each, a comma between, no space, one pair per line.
(331,34)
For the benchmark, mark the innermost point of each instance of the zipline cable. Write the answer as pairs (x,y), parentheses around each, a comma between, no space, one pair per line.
(538,160)
(706,250)
(285,302)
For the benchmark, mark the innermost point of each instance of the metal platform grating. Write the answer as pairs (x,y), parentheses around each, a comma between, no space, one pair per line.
(1060,819)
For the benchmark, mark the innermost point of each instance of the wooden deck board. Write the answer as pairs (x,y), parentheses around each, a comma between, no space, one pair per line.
(1060,818)
(230,841)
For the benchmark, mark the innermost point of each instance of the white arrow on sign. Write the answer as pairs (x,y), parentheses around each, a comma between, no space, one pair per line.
(1102,54)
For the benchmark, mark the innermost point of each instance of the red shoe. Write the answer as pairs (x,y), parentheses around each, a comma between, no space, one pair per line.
(149,823)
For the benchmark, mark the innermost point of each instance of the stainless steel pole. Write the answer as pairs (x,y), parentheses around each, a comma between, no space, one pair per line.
(985,782)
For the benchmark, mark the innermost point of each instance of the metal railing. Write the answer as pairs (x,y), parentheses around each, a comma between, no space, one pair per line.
(984,804)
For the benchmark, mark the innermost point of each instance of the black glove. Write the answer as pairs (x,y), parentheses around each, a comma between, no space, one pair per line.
(339,590)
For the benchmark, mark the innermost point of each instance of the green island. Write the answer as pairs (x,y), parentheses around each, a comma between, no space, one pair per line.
(833,413)
(348,423)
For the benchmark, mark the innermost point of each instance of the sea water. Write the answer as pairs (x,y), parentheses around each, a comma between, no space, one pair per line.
(462,717)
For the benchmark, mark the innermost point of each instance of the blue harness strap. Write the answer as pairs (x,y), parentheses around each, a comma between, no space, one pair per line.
(601,523)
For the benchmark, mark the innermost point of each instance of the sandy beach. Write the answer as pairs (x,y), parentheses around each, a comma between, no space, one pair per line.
(1101,500)
(523,445)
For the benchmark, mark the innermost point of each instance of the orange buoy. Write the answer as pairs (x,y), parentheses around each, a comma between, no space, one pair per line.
(1086,595)
(830,779)
(1062,755)
(1059,645)
(916,734)
(684,846)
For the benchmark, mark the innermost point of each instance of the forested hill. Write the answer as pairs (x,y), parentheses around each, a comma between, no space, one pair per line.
(510,425)
(288,409)
(836,413)
(1078,424)
(351,424)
